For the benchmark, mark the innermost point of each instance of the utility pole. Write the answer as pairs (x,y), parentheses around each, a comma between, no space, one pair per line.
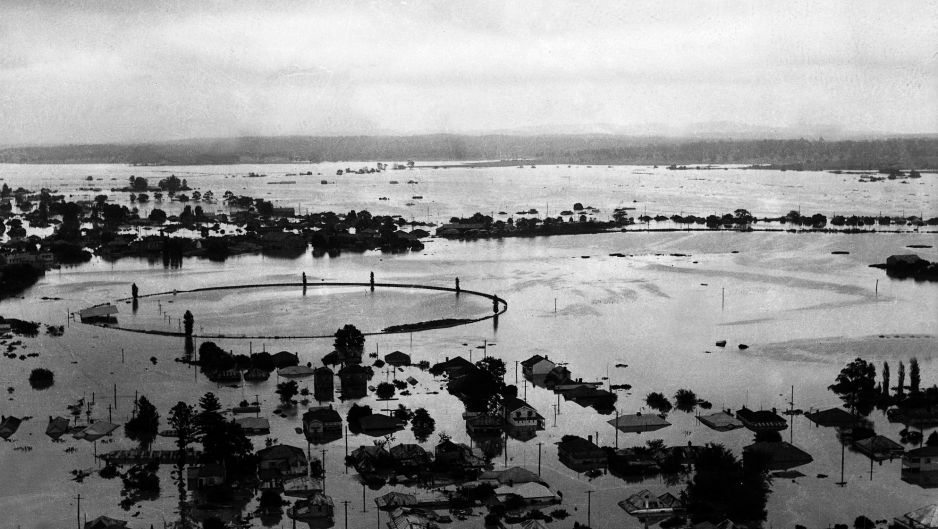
(346,502)
(539,459)
(617,429)
(324,473)
(505,449)
(842,450)
(589,505)
(78,511)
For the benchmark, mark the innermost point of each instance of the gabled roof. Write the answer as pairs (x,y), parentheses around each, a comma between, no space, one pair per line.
(395,499)
(453,363)
(105,522)
(925,451)
(514,403)
(779,455)
(378,421)
(323,414)
(96,431)
(99,311)
(9,426)
(527,491)
(532,361)
(253,423)
(281,452)
(575,444)
(408,451)
(761,416)
(401,519)
(639,423)
(57,427)
(511,475)
(587,392)
(879,446)
(397,358)
(720,421)
(833,417)
(645,500)
(925,517)
(206,471)
(526,524)
(295,371)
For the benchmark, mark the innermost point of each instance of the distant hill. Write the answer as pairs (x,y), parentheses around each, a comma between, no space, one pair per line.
(903,152)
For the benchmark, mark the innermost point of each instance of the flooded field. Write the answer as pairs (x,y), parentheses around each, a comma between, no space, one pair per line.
(802,311)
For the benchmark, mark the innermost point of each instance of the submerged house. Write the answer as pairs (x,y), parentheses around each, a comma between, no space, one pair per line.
(531,493)
(106,313)
(285,359)
(519,415)
(513,475)
(484,424)
(720,421)
(200,477)
(354,379)
(557,376)
(537,365)
(104,522)
(403,518)
(923,518)
(9,426)
(645,504)
(322,424)
(778,455)
(323,384)
(58,426)
(924,459)
(281,461)
(458,455)
(581,454)
(254,425)
(833,417)
(762,420)
(409,456)
(316,507)
(379,424)
(879,448)
(397,358)
(369,458)
(454,367)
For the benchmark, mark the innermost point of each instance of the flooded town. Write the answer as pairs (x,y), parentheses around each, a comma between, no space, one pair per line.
(436,328)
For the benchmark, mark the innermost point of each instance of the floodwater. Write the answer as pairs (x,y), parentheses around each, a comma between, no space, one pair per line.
(803,311)
(293,311)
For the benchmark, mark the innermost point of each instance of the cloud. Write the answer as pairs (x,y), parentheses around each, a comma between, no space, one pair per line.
(119,71)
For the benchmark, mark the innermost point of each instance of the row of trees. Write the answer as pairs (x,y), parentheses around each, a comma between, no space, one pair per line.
(857,386)
(223,441)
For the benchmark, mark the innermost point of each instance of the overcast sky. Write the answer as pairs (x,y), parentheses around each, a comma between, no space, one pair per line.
(129,70)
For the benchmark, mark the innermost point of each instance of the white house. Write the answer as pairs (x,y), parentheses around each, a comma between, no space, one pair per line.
(520,414)
(537,365)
